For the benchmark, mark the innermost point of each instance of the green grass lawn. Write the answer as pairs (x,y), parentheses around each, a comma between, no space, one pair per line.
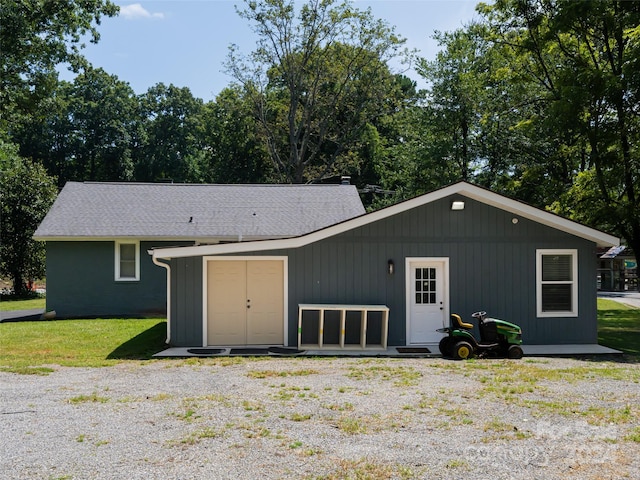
(94,343)
(86,343)
(619,326)
(32,303)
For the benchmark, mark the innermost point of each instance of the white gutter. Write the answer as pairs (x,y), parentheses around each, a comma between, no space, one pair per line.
(168,268)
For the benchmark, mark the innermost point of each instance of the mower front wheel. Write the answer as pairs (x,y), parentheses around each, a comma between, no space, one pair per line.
(462,350)
(515,352)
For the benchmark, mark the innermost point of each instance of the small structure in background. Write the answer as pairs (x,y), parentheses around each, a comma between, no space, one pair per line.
(617,270)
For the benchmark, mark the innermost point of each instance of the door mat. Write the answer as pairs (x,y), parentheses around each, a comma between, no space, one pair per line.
(249,351)
(285,351)
(205,351)
(413,350)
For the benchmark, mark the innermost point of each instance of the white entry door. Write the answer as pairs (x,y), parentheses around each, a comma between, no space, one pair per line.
(427,304)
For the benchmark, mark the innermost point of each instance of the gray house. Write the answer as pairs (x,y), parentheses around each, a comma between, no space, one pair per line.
(97,234)
(391,277)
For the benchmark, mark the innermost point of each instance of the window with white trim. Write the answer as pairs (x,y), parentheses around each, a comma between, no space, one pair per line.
(127,261)
(557,283)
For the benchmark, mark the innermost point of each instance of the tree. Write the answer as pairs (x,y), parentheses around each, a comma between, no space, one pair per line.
(316,80)
(453,103)
(88,132)
(48,136)
(26,193)
(171,120)
(103,115)
(35,37)
(583,59)
(233,149)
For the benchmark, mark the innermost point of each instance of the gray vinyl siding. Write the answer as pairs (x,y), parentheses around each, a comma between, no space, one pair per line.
(492,267)
(81,283)
(186,302)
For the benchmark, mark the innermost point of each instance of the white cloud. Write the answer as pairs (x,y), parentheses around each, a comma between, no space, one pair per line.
(136,11)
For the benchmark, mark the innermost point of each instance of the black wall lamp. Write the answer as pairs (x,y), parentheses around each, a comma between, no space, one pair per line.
(391,267)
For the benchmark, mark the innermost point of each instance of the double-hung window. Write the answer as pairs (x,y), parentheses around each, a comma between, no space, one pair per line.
(557,283)
(127,261)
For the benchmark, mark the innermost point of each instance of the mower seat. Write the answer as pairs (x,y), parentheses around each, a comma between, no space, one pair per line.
(456,322)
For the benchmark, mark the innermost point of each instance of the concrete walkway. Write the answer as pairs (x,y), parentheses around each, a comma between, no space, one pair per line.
(529,351)
(21,315)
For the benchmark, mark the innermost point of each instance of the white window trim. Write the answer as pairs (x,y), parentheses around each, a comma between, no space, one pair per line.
(118,278)
(574,283)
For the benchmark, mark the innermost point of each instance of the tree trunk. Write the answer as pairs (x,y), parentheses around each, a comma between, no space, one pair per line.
(19,285)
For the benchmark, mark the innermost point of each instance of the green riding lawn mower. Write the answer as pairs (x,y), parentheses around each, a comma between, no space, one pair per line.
(498,339)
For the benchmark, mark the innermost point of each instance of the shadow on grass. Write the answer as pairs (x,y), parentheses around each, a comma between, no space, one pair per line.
(143,346)
(620,329)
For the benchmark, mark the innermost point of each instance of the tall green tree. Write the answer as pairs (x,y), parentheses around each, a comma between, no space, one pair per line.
(102,111)
(583,59)
(173,131)
(26,194)
(35,37)
(474,124)
(453,103)
(48,137)
(89,131)
(317,78)
(234,150)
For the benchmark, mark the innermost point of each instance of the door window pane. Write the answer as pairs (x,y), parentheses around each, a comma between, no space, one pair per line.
(425,285)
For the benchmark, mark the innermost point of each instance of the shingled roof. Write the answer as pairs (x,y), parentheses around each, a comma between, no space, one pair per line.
(195,212)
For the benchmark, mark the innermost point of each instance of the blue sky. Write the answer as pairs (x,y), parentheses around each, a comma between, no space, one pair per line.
(186,42)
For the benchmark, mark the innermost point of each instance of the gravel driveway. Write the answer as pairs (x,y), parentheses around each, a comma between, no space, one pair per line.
(323,418)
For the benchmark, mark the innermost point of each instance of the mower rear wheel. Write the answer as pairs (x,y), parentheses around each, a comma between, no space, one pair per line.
(515,352)
(462,350)
(445,346)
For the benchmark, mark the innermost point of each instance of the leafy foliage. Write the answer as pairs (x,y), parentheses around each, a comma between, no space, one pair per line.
(316,80)
(89,131)
(235,152)
(35,37)
(172,148)
(26,193)
(578,59)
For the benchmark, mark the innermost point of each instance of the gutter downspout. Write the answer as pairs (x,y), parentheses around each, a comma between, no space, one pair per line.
(166,266)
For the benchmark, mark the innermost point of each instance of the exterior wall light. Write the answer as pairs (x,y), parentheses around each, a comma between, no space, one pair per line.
(457,205)
(391,267)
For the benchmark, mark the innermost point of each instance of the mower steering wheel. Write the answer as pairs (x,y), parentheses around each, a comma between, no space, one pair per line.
(479,315)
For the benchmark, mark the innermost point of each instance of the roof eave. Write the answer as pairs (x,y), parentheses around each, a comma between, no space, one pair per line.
(202,240)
